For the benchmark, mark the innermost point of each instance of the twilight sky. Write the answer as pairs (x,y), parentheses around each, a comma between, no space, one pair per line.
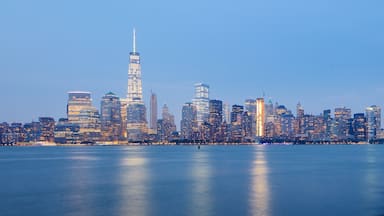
(323,53)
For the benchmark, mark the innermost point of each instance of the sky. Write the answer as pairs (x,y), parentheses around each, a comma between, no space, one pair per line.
(322,53)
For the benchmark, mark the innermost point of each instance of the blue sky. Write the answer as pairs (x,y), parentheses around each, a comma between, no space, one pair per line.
(323,53)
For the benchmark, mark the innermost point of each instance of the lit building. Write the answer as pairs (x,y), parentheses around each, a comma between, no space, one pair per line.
(260,117)
(373,121)
(166,125)
(201,102)
(77,101)
(226,113)
(341,123)
(66,132)
(299,119)
(110,117)
(215,120)
(237,123)
(81,112)
(47,129)
(136,111)
(123,113)
(250,108)
(188,121)
(359,127)
(287,126)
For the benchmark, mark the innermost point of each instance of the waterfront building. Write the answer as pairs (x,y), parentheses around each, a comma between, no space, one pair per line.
(77,101)
(123,117)
(30,132)
(110,109)
(287,126)
(166,125)
(341,123)
(136,111)
(327,124)
(81,112)
(237,123)
(359,127)
(153,113)
(201,102)
(66,132)
(215,120)
(251,107)
(247,126)
(260,117)
(299,119)
(373,121)
(188,122)
(47,129)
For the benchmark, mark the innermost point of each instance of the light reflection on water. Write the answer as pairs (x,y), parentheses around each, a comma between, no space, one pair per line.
(134,179)
(201,194)
(260,195)
(217,180)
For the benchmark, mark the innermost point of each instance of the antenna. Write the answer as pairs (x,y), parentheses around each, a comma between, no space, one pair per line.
(134,40)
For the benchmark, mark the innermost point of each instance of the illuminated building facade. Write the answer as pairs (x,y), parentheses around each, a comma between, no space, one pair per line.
(136,111)
(373,121)
(81,112)
(201,102)
(260,117)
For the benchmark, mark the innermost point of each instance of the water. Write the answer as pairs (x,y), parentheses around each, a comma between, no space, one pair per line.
(181,180)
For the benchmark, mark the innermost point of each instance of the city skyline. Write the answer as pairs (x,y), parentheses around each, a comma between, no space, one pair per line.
(314,55)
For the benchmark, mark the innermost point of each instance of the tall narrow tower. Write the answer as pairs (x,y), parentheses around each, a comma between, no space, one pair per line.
(260,117)
(135,89)
(153,114)
(136,111)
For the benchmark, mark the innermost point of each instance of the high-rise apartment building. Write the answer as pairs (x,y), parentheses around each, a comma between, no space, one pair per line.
(136,111)
(201,102)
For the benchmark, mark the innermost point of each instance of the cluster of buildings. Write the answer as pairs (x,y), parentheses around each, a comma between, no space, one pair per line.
(203,120)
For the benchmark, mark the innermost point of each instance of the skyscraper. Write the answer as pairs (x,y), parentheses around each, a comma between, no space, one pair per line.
(237,134)
(153,113)
(110,117)
(341,124)
(215,120)
(250,107)
(260,117)
(359,127)
(188,121)
(201,102)
(373,121)
(136,111)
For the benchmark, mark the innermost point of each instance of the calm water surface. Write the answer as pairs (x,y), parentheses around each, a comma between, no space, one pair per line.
(181,180)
